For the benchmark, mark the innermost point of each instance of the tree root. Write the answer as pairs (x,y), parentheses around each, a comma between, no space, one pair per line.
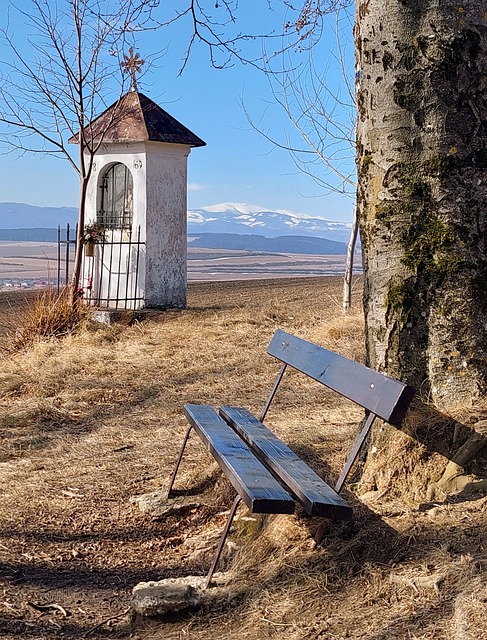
(454,479)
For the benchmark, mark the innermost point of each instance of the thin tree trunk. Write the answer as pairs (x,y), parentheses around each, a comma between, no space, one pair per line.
(422,168)
(78,258)
(347,281)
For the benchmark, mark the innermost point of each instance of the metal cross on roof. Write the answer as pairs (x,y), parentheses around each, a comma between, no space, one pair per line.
(132,64)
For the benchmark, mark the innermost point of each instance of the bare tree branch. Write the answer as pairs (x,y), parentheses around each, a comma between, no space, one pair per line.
(322,116)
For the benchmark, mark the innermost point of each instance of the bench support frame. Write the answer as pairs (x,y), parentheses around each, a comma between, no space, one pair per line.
(230,517)
(223,538)
(178,461)
(354,451)
(273,392)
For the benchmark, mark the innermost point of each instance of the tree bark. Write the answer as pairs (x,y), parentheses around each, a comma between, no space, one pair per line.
(422,167)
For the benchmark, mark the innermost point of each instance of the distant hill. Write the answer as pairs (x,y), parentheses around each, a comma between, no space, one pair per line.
(228,218)
(227,241)
(17,215)
(281,244)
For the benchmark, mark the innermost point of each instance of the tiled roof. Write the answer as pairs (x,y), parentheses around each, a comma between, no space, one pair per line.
(136,118)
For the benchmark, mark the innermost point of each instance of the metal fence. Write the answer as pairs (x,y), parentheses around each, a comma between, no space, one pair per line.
(110,279)
(66,250)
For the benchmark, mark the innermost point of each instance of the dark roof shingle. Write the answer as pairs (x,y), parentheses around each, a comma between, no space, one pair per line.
(136,118)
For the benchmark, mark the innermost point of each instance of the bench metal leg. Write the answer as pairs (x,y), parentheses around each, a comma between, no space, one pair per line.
(273,392)
(320,532)
(221,544)
(357,445)
(178,462)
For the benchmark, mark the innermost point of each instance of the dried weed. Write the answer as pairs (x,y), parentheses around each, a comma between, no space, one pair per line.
(51,314)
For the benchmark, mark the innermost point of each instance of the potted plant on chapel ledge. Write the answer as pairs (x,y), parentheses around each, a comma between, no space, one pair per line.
(95,233)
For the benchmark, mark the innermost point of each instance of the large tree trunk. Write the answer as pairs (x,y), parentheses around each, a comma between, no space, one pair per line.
(422,196)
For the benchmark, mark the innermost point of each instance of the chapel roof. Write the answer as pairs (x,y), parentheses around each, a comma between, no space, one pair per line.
(136,118)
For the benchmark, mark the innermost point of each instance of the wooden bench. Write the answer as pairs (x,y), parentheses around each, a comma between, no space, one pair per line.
(266,474)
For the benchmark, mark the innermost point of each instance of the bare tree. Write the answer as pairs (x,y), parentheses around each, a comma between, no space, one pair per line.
(54,83)
(322,114)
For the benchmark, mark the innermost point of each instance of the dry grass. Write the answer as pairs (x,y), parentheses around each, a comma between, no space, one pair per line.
(93,419)
(49,314)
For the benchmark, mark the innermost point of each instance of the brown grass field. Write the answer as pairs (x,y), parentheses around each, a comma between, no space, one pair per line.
(31,260)
(91,420)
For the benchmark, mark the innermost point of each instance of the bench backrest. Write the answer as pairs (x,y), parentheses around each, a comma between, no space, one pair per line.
(384,397)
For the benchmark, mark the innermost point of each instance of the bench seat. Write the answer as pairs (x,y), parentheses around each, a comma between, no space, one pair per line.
(317,498)
(251,480)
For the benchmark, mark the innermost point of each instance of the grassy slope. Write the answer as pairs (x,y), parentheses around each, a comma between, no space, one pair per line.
(88,422)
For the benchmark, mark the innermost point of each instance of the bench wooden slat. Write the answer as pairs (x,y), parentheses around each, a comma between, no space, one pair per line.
(383,396)
(314,494)
(253,482)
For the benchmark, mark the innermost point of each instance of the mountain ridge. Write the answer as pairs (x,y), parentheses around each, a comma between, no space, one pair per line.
(224,241)
(281,244)
(228,217)
(234,217)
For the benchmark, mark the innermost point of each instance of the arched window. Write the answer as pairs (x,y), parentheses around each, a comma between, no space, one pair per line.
(117,197)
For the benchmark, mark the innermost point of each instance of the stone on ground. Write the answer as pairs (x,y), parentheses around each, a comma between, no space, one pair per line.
(177,594)
(167,596)
(156,504)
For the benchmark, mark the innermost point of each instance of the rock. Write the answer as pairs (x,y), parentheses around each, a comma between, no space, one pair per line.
(156,504)
(177,594)
(166,596)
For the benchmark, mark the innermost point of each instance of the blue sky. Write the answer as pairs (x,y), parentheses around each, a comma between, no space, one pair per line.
(238,164)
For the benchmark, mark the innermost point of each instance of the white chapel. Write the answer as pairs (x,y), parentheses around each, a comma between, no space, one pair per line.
(138,194)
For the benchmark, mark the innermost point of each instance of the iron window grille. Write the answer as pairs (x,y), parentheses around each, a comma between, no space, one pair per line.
(117,197)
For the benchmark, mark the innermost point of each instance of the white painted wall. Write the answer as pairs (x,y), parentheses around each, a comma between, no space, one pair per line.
(166,229)
(159,173)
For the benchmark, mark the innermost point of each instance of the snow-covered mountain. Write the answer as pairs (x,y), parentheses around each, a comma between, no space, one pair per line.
(232,217)
(219,218)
